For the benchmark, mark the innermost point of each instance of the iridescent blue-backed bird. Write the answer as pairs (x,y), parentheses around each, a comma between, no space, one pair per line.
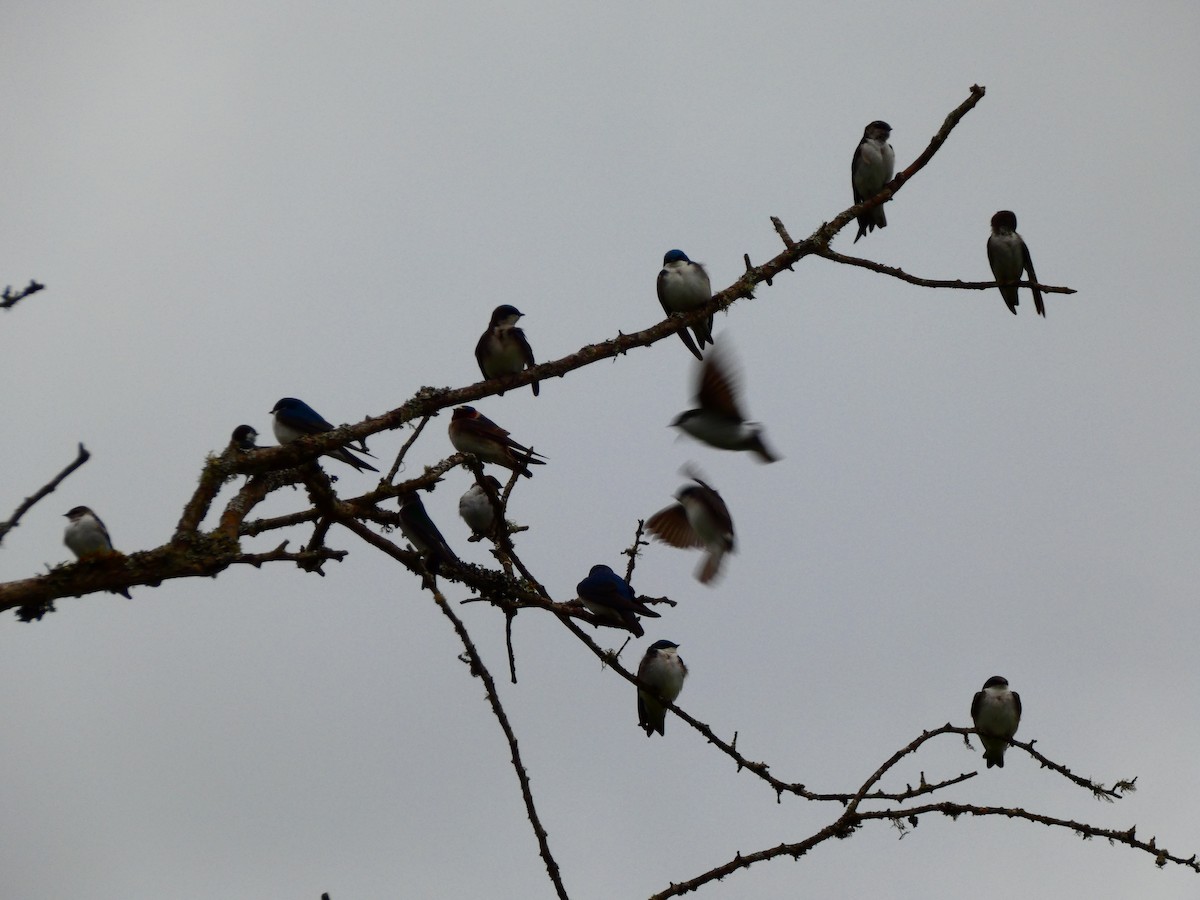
(683,286)
(295,419)
(608,597)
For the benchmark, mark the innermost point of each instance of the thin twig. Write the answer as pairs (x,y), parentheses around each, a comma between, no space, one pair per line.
(8,299)
(413,562)
(80,459)
(852,818)
(478,668)
(404,449)
(1099,791)
(823,235)
(956,283)
(362,506)
(634,549)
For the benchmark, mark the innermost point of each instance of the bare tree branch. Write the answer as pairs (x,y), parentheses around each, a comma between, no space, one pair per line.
(428,401)
(513,587)
(1099,791)
(894,272)
(853,818)
(826,232)
(391,475)
(15,519)
(8,299)
(202,555)
(480,670)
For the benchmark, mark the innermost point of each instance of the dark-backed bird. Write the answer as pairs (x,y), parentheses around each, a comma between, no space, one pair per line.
(718,419)
(243,438)
(1009,257)
(423,534)
(87,538)
(872,167)
(663,672)
(700,519)
(996,712)
(503,348)
(477,510)
(473,432)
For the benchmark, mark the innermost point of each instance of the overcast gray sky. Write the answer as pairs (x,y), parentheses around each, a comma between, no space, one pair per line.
(234,202)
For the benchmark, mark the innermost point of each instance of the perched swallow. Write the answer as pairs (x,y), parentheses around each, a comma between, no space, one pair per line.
(477,510)
(473,432)
(662,671)
(872,167)
(424,535)
(996,712)
(718,421)
(683,286)
(503,349)
(87,537)
(1009,257)
(699,519)
(608,597)
(244,437)
(296,419)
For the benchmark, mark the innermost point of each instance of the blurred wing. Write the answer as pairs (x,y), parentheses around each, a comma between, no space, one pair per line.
(671,526)
(711,567)
(718,385)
